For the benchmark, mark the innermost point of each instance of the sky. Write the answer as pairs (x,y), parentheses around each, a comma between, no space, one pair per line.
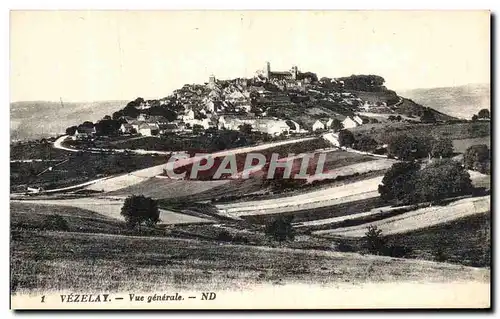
(121,55)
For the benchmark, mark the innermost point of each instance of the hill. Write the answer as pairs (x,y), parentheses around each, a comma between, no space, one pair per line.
(459,101)
(36,119)
(304,101)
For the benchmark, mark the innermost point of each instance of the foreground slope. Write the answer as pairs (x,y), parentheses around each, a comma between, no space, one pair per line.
(99,262)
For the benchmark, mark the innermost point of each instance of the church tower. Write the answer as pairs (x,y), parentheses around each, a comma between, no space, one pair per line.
(267,70)
(294,71)
(211,81)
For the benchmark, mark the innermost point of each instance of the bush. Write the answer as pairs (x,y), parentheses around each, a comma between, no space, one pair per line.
(224,235)
(442,148)
(477,157)
(397,251)
(281,229)
(240,239)
(345,247)
(407,147)
(140,209)
(366,144)
(374,241)
(55,222)
(405,183)
(346,138)
(440,255)
(442,179)
(398,183)
(484,114)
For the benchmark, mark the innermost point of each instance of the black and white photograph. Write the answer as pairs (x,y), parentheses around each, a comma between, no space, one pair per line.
(184,160)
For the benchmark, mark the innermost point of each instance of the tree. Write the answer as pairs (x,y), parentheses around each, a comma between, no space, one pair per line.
(166,112)
(442,179)
(346,138)
(140,209)
(474,118)
(407,147)
(71,130)
(405,183)
(369,83)
(366,144)
(88,124)
(107,127)
(442,148)
(398,182)
(198,129)
(135,102)
(245,128)
(336,125)
(484,114)
(280,228)
(477,157)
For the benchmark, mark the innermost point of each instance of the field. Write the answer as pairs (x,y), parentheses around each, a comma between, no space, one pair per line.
(35,150)
(78,168)
(136,177)
(465,241)
(100,208)
(99,262)
(418,218)
(455,131)
(162,188)
(309,200)
(460,146)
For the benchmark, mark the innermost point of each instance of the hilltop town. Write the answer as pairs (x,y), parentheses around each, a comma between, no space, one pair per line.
(276,103)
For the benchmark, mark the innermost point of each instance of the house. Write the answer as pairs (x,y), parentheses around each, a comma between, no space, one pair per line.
(318,126)
(233,123)
(144,105)
(128,119)
(349,122)
(135,124)
(148,129)
(35,190)
(169,128)
(329,123)
(188,115)
(84,132)
(127,128)
(272,127)
(358,120)
(158,119)
(142,117)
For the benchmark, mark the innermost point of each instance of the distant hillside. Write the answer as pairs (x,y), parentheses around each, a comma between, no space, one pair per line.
(460,101)
(31,120)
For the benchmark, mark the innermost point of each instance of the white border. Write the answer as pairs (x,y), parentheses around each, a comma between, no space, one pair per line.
(179,5)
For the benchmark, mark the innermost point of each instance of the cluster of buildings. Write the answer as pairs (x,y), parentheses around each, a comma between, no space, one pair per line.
(271,126)
(327,124)
(147,125)
(228,105)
